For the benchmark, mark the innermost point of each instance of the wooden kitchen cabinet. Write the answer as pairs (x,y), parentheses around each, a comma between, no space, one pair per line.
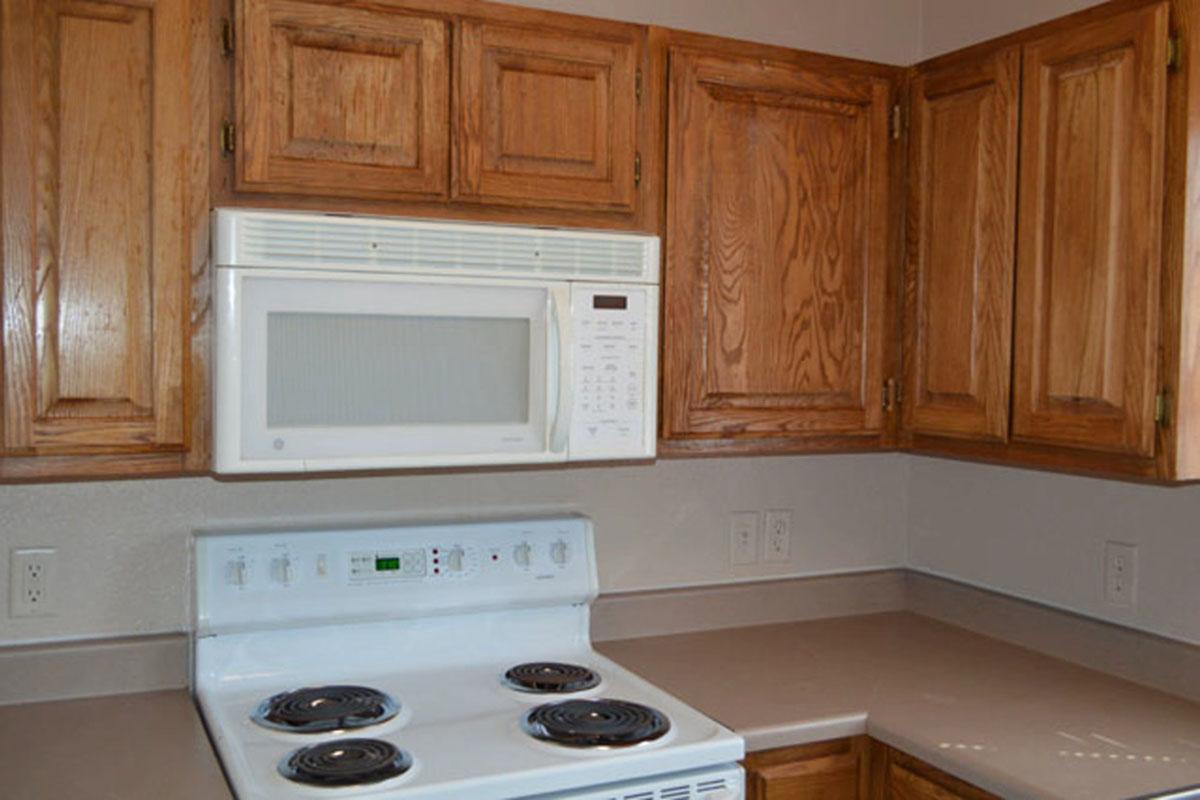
(834,770)
(962,222)
(778,239)
(899,776)
(1089,269)
(549,117)
(105,203)
(341,100)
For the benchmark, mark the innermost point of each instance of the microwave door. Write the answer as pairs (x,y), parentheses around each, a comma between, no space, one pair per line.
(374,372)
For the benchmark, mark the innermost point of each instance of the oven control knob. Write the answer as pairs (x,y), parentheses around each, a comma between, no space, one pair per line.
(523,554)
(454,560)
(281,570)
(559,552)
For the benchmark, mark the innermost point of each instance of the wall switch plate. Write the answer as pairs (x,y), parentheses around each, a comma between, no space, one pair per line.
(743,538)
(777,541)
(1120,574)
(31,581)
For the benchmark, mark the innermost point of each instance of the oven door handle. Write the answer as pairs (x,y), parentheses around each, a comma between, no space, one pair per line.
(561,355)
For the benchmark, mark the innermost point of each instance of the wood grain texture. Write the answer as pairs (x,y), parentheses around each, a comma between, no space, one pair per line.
(962,229)
(342,100)
(1089,252)
(833,770)
(778,239)
(898,776)
(546,116)
(100,190)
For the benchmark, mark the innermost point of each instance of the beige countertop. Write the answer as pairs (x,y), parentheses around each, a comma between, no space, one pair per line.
(1012,721)
(119,747)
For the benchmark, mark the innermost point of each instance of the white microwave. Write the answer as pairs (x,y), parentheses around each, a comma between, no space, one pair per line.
(356,343)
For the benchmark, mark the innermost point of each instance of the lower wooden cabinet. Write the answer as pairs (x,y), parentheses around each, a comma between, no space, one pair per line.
(857,768)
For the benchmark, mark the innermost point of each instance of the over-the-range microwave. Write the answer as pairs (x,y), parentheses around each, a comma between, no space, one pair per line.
(356,343)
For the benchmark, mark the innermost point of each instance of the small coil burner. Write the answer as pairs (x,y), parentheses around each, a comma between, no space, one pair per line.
(595,723)
(549,677)
(325,708)
(345,762)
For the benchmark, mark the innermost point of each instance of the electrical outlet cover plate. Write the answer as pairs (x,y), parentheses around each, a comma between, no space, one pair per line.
(777,541)
(743,538)
(1120,574)
(31,582)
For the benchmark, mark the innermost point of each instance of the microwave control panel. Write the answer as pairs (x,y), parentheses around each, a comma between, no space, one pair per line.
(614,364)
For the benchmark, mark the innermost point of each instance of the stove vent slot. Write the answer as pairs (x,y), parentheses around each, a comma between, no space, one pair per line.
(710,786)
(676,793)
(276,240)
(639,796)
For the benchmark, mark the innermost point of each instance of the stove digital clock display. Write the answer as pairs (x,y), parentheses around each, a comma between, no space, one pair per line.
(387,563)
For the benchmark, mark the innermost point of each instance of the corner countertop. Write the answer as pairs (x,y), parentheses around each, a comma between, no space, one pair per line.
(1012,721)
(117,747)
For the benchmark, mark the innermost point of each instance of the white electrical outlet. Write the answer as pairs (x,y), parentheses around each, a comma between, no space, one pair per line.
(777,543)
(743,538)
(1120,574)
(31,581)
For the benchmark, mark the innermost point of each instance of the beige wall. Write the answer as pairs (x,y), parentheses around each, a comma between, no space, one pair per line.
(950,24)
(877,30)
(123,545)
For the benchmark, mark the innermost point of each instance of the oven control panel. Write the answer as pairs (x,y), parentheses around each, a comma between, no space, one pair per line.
(614,358)
(247,579)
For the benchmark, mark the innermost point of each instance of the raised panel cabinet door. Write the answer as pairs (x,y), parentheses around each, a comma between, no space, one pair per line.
(548,117)
(834,770)
(340,100)
(1089,249)
(962,218)
(99,122)
(899,776)
(777,249)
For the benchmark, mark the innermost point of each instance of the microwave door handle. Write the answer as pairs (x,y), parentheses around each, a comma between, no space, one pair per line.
(560,332)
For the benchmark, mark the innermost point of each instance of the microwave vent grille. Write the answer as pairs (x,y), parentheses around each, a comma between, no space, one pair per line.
(367,244)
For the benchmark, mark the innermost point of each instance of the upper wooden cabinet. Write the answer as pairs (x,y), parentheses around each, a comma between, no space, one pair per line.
(962,221)
(548,117)
(1089,271)
(339,100)
(777,248)
(104,204)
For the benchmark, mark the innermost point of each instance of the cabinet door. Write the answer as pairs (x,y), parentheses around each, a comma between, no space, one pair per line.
(899,776)
(1091,207)
(100,113)
(777,248)
(836,770)
(342,101)
(962,218)
(548,117)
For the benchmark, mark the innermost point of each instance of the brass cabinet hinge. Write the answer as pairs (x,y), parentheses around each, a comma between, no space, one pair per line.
(896,126)
(226,38)
(891,395)
(637,86)
(1174,53)
(1161,409)
(637,169)
(228,137)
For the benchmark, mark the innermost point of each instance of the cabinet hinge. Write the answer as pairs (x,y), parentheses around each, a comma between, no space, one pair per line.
(228,137)
(637,169)
(1174,53)
(1161,409)
(637,86)
(891,395)
(226,38)
(896,126)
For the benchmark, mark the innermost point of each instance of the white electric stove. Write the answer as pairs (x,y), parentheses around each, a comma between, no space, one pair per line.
(429,663)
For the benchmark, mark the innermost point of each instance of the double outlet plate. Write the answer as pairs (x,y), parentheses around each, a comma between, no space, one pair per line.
(775,532)
(31,582)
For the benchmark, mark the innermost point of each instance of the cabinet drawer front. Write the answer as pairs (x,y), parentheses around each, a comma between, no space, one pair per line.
(547,117)
(1089,266)
(777,249)
(336,100)
(97,247)
(962,213)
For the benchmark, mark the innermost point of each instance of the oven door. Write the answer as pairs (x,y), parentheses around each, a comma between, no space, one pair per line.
(321,372)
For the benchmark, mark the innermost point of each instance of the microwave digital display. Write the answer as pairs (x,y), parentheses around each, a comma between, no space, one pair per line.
(610,302)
